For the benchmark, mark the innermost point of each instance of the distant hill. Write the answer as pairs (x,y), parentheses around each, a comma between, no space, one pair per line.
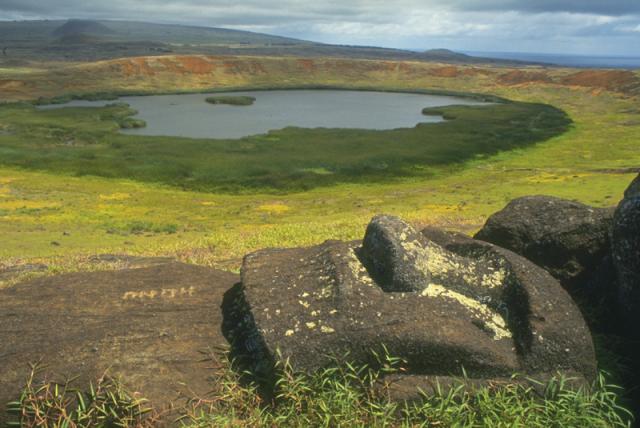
(447,55)
(91,40)
(78,26)
(131,31)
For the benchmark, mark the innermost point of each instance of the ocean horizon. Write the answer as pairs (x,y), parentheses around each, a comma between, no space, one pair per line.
(567,60)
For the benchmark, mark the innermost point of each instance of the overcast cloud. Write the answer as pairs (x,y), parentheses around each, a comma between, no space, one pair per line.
(606,27)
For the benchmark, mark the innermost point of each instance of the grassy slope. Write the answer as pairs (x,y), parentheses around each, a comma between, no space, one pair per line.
(218,229)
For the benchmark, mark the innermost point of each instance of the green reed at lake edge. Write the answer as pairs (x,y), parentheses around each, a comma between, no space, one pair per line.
(239,100)
(86,141)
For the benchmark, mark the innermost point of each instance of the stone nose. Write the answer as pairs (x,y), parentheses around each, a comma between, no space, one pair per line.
(393,253)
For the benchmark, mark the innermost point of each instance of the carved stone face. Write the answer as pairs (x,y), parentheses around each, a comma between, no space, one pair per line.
(442,304)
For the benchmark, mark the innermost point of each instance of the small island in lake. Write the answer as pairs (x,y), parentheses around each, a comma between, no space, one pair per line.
(238,100)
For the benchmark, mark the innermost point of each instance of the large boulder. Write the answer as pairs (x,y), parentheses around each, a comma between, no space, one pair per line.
(634,188)
(626,254)
(150,327)
(568,239)
(465,304)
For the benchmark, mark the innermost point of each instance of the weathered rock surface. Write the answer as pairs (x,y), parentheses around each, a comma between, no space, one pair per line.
(634,188)
(394,255)
(568,239)
(480,307)
(626,254)
(150,326)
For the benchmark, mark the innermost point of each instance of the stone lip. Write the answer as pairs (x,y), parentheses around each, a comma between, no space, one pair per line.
(151,327)
(554,335)
(484,309)
(567,238)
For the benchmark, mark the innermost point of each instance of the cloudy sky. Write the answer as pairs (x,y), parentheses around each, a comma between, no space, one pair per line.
(603,27)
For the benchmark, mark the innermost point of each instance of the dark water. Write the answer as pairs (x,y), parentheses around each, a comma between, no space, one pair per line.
(580,61)
(190,116)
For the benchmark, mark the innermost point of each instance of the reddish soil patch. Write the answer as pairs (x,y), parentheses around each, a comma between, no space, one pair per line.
(612,80)
(196,64)
(477,72)
(306,64)
(517,77)
(144,66)
(11,84)
(404,67)
(151,327)
(170,65)
(136,67)
(243,67)
(449,71)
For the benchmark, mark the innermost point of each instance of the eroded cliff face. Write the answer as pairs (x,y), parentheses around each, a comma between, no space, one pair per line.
(169,73)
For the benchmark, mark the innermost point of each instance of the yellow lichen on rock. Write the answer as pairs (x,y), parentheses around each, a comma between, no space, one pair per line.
(440,262)
(420,254)
(491,319)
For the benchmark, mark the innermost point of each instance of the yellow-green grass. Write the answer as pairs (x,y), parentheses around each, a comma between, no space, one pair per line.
(101,215)
(340,395)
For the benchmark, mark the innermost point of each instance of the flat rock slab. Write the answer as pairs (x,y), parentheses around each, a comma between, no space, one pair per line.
(150,326)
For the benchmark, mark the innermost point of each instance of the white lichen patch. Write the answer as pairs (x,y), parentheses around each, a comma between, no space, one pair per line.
(324,292)
(441,263)
(289,333)
(303,303)
(494,279)
(326,329)
(491,319)
(415,251)
(358,269)
(310,325)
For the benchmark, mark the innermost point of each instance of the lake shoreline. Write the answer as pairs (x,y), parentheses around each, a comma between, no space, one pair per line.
(190,116)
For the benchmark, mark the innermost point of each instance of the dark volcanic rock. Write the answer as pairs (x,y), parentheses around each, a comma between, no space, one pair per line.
(484,309)
(634,188)
(626,254)
(567,238)
(149,326)
(554,331)
(394,255)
